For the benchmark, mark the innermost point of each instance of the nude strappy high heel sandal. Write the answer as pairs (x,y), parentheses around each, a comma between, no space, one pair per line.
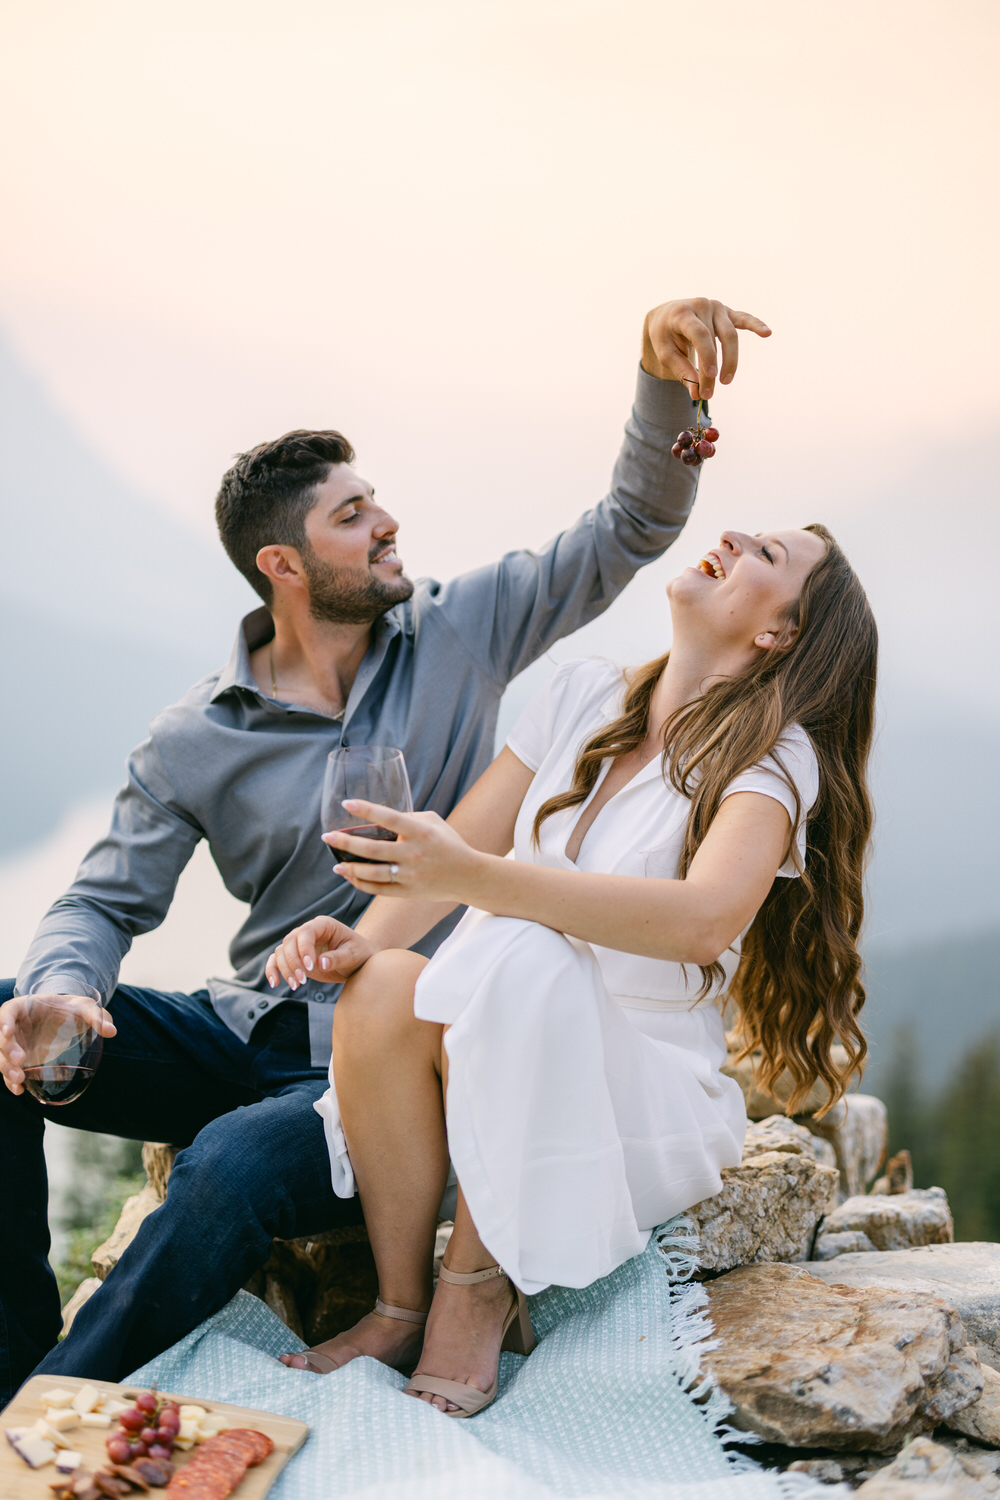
(518,1338)
(318,1363)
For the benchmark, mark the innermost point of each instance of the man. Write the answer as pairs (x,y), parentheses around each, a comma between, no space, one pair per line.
(346,650)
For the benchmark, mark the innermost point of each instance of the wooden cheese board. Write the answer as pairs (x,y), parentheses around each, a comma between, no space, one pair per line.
(19,1482)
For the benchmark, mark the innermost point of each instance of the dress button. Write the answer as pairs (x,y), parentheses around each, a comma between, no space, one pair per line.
(263,1005)
(250,1015)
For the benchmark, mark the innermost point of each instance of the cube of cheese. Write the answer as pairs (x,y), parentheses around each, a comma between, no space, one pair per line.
(86,1399)
(210,1424)
(95,1419)
(67,1461)
(57,1397)
(62,1418)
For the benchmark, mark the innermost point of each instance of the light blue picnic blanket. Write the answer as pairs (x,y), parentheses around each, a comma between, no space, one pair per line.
(608,1407)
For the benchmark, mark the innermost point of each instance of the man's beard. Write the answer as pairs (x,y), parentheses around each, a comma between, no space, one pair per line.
(342,596)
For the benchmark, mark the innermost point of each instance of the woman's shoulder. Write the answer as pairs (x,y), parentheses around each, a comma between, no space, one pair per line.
(580,694)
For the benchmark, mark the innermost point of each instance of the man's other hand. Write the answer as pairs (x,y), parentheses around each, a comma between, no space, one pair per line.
(322,949)
(14,1033)
(679,342)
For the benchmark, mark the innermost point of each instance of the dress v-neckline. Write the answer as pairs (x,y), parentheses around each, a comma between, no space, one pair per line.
(605,772)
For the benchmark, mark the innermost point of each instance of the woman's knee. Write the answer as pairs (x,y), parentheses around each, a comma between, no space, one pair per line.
(376,1003)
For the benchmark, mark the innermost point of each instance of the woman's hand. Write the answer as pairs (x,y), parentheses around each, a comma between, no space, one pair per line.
(430,860)
(322,949)
(676,334)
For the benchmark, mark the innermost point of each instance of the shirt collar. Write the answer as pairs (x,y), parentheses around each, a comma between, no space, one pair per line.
(257,628)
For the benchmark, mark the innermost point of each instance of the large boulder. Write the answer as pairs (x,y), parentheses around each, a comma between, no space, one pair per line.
(887,1222)
(967,1276)
(814,1366)
(770,1205)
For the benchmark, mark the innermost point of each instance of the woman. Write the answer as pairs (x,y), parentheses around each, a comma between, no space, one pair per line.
(565,1021)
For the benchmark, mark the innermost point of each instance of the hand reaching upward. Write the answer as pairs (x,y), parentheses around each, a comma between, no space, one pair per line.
(680,338)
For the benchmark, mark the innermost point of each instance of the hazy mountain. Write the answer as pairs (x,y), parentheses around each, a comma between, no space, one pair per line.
(110,609)
(945,992)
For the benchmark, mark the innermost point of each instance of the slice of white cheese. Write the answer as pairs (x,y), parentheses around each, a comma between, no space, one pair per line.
(51,1434)
(113,1406)
(67,1461)
(193,1413)
(57,1397)
(95,1419)
(36,1451)
(86,1398)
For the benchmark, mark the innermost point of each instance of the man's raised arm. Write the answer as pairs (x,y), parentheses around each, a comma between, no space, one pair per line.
(510,612)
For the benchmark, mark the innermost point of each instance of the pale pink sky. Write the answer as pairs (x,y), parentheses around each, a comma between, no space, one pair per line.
(437,224)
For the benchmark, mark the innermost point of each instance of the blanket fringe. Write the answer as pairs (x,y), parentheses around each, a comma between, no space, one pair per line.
(693,1336)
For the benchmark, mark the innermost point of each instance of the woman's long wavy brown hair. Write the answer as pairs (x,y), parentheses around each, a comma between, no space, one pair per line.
(798,986)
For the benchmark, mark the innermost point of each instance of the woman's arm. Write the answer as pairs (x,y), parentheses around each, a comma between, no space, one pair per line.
(330,950)
(692,920)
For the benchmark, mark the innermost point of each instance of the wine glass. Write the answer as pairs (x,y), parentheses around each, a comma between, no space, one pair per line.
(61,1043)
(375,773)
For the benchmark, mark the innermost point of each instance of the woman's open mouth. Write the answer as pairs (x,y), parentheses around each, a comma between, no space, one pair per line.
(711,566)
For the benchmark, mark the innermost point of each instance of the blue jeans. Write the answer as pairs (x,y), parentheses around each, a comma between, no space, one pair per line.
(253,1167)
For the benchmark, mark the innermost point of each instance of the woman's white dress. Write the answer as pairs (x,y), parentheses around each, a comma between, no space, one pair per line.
(585,1099)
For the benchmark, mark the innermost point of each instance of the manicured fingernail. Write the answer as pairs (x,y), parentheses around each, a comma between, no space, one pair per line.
(308,963)
(349,803)
(324,962)
(271,980)
(712,371)
(300,976)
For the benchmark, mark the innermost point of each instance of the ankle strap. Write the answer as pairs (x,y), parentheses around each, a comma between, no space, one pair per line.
(467,1278)
(404,1314)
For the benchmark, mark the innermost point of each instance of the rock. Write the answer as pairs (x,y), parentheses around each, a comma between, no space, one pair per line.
(770,1205)
(925,1470)
(279,1299)
(158,1159)
(894,1222)
(810,1365)
(859,1139)
(967,1276)
(134,1210)
(981,1420)
(845,1242)
(823,1470)
(84,1290)
(779,1133)
(898,1175)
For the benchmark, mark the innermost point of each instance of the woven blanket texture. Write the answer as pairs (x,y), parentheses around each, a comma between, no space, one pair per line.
(606,1408)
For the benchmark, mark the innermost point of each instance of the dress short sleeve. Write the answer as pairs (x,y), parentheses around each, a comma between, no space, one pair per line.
(796,755)
(533,731)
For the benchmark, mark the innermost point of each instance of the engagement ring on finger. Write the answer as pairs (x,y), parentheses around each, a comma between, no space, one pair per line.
(393,872)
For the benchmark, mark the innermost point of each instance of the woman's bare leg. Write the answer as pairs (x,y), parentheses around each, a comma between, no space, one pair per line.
(465,1324)
(386,1065)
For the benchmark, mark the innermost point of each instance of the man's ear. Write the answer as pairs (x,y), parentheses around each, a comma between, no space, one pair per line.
(282,565)
(782,638)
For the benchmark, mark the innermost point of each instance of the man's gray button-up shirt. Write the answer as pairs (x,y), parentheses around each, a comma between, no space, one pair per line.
(244,771)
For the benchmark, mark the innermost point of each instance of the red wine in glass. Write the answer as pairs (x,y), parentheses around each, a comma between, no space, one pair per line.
(373,773)
(62,1044)
(365,831)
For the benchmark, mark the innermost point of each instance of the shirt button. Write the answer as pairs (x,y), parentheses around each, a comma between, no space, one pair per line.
(250,1015)
(263,1005)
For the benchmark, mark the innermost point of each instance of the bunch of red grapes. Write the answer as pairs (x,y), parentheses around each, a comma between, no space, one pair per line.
(149,1430)
(695,443)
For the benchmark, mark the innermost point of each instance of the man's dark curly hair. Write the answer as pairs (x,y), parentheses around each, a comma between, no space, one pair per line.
(267,494)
